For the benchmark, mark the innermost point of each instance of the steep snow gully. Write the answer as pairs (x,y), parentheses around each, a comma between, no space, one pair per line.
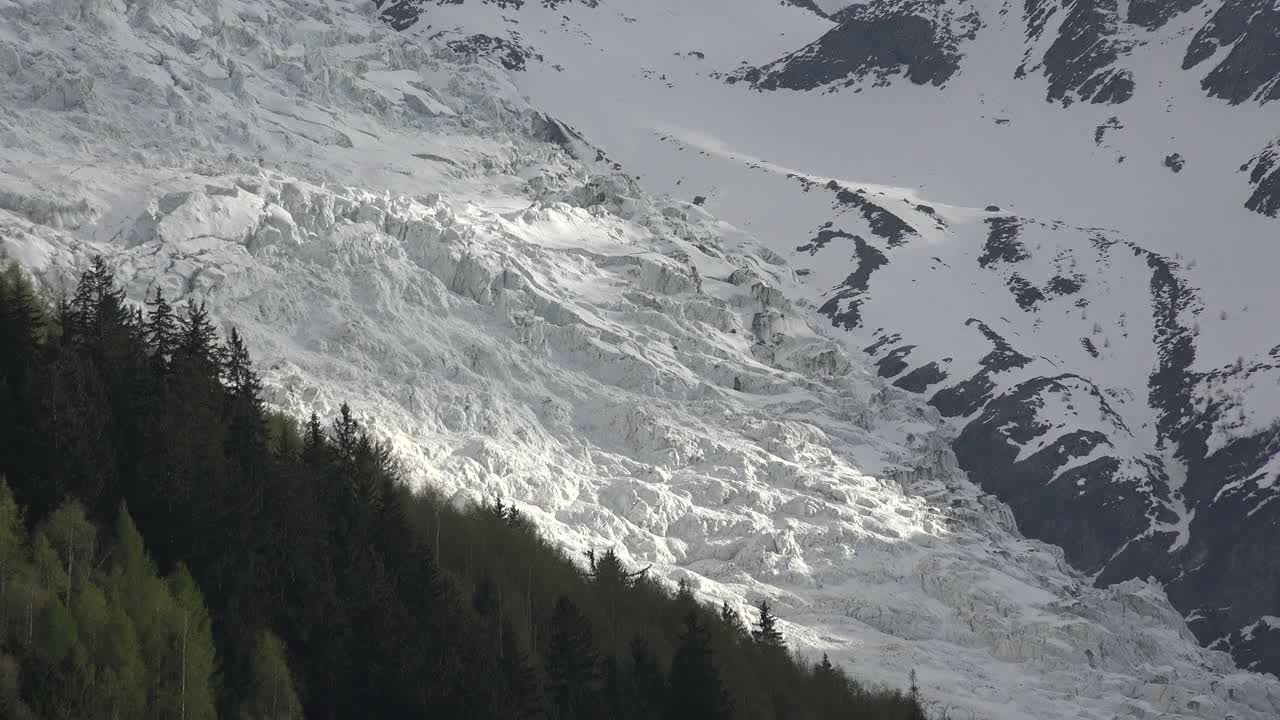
(389,222)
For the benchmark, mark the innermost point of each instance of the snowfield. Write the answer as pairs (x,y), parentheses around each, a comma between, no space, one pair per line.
(390,224)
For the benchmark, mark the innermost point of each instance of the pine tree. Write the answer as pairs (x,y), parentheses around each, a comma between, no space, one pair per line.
(21,326)
(766,633)
(646,677)
(272,695)
(237,370)
(346,433)
(161,333)
(684,594)
(484,600)
(696,692)
(730,617)
(523,699)
(607,572)
(99,313)
(198,341)
(571,664)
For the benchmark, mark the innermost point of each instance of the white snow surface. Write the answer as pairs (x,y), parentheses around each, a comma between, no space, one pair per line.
(382,226)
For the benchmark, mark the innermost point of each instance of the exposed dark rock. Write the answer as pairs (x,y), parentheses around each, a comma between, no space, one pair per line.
(895,362)
(825,235)
(874,348)
(510,53)
(1251,70)
(553,4)
(1171,383)
(1100,133)
(699,199)
(1174,162)
(883,223)
(1153,14)
(970,395)
(1081,62)
(993,208)
(1254,647)
(1060,285)
(1002,243)
(399,14)
(1089,347)
(1024,293)
(921,378)
(874,39)
(1080,509)
(806,5)
(845,306)
(1265,179)
(965,397)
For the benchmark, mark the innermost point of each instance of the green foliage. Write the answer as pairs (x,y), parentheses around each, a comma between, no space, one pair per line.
(88,633)
(260,570)
(271,694)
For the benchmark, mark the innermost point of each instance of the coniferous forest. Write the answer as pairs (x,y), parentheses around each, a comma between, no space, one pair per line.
(169,548)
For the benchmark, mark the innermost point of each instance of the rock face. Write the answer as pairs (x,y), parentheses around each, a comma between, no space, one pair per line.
(1251,69)
(400,14)
(1264,175)
(510,53)
(921,41)
(1079,46)
(1153,14)
(1129,487)
(1080,62)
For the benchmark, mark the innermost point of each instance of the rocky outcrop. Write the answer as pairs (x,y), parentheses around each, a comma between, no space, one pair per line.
(1251,69)
(1081,62)
(1264,175)
(1153,14)
(920,41)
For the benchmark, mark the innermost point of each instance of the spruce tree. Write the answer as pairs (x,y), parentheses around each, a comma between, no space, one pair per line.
(161,332)
(647,679)
(696,692)
(198,341)
(571,681)
(730,617)
(522,696)
(766,633)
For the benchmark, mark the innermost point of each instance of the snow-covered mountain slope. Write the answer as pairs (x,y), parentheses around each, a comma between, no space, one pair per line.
(1053,219)
(394,227)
